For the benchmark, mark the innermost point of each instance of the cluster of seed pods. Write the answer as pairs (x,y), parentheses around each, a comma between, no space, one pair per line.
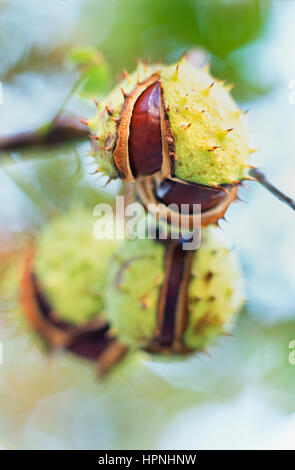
(143,154)
(139,140)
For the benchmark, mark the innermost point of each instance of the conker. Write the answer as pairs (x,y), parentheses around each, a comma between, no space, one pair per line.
(145,147)
(157,195)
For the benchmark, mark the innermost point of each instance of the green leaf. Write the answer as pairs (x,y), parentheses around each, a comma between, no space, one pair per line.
(96,75)
(97,81)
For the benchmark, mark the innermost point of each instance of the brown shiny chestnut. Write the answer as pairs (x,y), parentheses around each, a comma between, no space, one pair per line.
(145,149)
(144,143)
(157,195)
(173,300)
(175,192)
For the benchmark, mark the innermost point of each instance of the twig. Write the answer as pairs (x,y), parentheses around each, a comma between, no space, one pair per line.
(261,178)
(64,128)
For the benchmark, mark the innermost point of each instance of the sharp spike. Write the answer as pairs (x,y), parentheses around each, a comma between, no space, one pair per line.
(125,95)
(176,73)
(84,121)
(214,147)
(250,166)
(206,91)
(224,132)
(146,64)
(95,102)
(116,120)
(109,111)
(183,58)
(216,186)
(221,188)
(126,75)
(108,182)
(93,137)
(249,178)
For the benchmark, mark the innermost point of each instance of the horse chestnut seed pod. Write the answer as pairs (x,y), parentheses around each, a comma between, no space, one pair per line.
(62,289)
(163,298)
(172,119)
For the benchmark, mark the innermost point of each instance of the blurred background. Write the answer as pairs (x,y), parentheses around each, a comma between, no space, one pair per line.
(54,57)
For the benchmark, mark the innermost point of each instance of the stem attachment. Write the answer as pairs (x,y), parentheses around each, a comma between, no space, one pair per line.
(261,178)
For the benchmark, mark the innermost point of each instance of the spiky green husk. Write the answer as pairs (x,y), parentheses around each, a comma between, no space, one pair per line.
(215,292)
(71,264)
(211,141)
(210,138)
(103,125)
(135,280)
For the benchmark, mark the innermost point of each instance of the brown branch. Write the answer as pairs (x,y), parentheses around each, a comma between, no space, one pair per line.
(261,178)
(64,128)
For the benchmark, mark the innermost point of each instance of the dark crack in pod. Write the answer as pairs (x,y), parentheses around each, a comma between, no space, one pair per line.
(175,202)
(165,299)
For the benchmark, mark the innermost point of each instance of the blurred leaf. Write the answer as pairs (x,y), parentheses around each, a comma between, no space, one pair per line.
(97,81)
(96,74)
(227,25)
(85,56)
